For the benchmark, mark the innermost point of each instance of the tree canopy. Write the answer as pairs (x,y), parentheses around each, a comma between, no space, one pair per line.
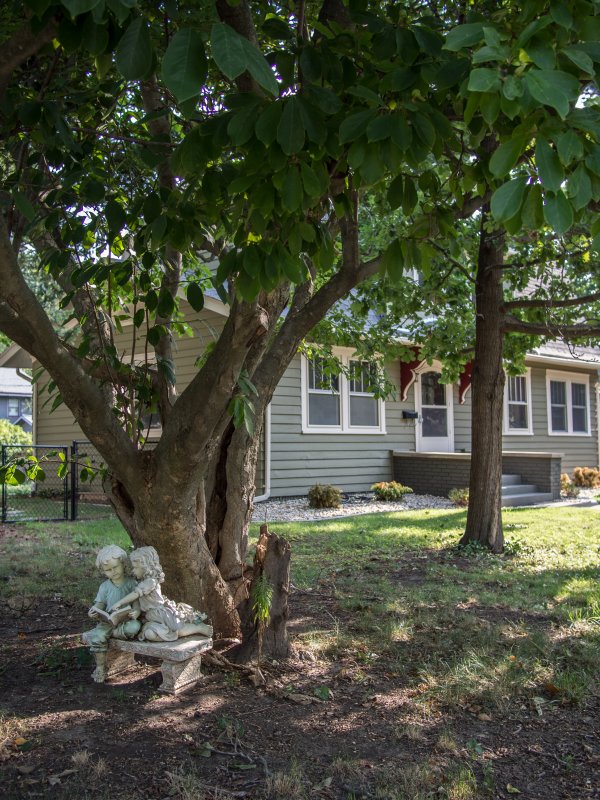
(137,136)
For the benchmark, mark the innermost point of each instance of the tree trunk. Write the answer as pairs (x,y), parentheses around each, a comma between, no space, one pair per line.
(271,560)
(484,518)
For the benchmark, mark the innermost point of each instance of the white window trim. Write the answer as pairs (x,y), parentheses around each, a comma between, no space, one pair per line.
(507,431)
(345,355)
(568,378)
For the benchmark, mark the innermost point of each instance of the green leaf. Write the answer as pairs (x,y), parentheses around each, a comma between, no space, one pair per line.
(380,128)
(464,36)
(228,50)
(355,125)
(507,199)
(401,132)
(395,193)
(134,54)
(484,80)
(559,213)
(579,188)
(552,88)
(234,54)
(392,263)
(291,193)
(580,59)
(310,181)
(548,165)
(268,122)
(506,156)
(77,7)
(139,317)
(512,88)
(570,147)
(166,304)
(23,205)
(532,214)
(184,65)
(195,296)
(290,131)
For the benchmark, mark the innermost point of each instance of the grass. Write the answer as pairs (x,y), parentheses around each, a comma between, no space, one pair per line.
(460,629)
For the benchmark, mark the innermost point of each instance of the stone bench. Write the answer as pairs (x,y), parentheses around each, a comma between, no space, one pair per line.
(180,665)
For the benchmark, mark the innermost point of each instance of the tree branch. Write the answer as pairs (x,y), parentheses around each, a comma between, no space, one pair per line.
(578,331)
(22,45)
(573,301)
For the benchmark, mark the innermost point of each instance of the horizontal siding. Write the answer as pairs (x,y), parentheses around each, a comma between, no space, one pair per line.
(576,451)
(351,461)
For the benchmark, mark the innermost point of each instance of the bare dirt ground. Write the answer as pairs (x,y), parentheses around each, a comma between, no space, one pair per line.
(319,729)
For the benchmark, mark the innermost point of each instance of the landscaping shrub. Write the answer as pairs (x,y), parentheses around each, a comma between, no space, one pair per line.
(13,434)
(324,496)
(567,487)
(586,476)
(390,490)
(460,497)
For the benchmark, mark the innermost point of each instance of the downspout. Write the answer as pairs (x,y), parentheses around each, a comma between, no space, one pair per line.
(597,389)
(267,493)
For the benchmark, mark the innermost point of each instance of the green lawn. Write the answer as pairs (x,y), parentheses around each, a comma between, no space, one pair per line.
(470,626)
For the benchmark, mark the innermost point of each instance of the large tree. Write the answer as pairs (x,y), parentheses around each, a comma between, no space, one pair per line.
(137,135)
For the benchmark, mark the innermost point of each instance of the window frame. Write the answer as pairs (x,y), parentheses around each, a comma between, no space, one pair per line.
(345,355)
(568,378)
(506,429)
(15,403)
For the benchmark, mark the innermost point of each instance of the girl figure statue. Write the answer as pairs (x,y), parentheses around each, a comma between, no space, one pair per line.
(164,620)
(114,563)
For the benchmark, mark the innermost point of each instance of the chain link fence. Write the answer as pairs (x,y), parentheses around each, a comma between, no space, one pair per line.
(54,498)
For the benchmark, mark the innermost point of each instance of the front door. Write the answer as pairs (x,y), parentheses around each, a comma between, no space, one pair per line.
(434,404)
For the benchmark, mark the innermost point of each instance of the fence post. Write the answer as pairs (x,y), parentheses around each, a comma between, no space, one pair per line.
(3,462)
(74,465)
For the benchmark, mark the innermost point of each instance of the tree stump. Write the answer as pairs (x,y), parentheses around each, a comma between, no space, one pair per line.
(271,560)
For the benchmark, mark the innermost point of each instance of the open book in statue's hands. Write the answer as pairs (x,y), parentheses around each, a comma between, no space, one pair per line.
(113,617)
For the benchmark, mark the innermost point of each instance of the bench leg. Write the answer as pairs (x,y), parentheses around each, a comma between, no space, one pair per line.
(178,675)
(117,662)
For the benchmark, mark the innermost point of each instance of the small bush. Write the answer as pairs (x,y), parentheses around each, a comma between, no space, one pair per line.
(324,496)
(13,434)
(567,487)
(390,490)
(460,497)
(587,477)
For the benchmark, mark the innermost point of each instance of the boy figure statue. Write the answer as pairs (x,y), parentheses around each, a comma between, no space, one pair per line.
(113,561)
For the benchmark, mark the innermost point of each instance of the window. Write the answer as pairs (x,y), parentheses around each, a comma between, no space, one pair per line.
(323,395)
(568,404)
(364,407)
(517,405)
(26,406)
(13,406)
(340,403)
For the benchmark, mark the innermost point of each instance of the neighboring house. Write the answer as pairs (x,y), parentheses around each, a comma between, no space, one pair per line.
(15,398)
(343,435)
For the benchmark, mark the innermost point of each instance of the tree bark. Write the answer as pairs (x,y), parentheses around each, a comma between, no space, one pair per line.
(271,560)
(484,518)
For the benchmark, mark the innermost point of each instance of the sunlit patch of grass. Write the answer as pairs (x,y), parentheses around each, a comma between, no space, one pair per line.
(11,727)
(287,785)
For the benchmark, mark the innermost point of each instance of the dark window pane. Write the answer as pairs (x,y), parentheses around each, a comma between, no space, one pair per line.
(559,418)
(516,389)
(579,394)
(433,393)
(364,412)
(558,393)
(580,420)
(517,416)
(323,409)
(435,422)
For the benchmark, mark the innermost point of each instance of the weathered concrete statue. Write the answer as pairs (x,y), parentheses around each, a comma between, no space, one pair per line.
(163,620)
(114,563)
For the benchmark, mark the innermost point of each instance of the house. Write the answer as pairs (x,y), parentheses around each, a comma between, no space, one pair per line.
(15,398)
(343,434)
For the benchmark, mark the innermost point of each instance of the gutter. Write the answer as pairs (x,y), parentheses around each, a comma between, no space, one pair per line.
(267,493)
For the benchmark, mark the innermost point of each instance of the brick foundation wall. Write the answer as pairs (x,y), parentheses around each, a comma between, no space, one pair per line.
(437,473)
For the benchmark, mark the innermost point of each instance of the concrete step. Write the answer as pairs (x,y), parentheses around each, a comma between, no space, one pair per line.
(527,499)
(519,488)
(509,480)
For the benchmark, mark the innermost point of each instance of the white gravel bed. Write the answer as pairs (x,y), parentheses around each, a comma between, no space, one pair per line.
(296,509)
